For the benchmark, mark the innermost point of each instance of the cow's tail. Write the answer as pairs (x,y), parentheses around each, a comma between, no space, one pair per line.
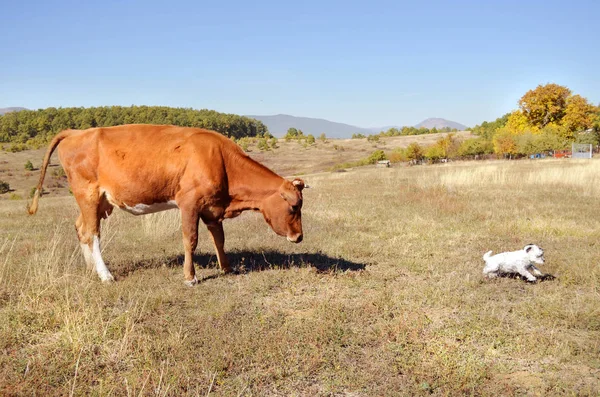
(38,191)
(487,255)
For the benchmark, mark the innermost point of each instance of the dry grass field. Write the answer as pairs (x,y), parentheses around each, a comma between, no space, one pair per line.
(384,296)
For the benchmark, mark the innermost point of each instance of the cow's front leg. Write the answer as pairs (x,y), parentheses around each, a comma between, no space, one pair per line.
(218,238)
(189,226)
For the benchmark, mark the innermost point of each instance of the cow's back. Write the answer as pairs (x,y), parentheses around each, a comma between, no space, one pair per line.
(143,163)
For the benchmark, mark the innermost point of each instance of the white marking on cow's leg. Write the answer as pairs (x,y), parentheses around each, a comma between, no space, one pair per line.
(87,255)
(191,283)
(101,268)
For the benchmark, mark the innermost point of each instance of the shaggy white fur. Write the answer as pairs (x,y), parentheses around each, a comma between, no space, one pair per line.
(515,262)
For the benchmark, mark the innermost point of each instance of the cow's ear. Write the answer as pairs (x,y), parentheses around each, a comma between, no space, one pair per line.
(292,199)
(299,184)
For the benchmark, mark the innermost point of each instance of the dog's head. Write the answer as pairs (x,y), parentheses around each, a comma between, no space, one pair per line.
(535,253)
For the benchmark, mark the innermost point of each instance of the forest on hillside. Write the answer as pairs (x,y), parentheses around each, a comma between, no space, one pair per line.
(37,127)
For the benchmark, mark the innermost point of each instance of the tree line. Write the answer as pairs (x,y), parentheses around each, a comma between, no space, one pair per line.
(37,127)
(404,131)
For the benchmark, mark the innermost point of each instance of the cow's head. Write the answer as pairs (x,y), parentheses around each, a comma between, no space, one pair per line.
(283,210)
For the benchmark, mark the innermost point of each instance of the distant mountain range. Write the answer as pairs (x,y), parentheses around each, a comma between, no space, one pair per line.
(8,110)
(279,124)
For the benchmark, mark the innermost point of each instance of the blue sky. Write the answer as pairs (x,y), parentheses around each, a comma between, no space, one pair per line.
(370,64)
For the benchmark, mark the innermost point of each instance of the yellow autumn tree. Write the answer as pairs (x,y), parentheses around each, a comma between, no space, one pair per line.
(579,114)
(504,143)
(517,123)
(545,104)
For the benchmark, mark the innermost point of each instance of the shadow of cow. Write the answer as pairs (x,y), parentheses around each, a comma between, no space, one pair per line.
(245,262)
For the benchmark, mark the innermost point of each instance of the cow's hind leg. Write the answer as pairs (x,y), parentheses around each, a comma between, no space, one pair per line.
(93,209)
(189,227)
(85,249)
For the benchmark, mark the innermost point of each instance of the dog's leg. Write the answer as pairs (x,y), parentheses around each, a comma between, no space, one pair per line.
(490,270)
(490,275)
(527,275)
(536,271)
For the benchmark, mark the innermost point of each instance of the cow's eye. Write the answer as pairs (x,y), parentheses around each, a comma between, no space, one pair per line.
(294,209)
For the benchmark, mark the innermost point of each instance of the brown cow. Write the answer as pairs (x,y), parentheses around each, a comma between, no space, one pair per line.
(149,168)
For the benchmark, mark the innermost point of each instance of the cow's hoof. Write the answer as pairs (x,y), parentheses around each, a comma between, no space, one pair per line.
(191,283)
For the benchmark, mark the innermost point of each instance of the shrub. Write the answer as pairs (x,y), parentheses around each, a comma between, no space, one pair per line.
(4,187)
(323,137)
(505,143)
(526,144)
(15,196)
(17,147)
(414,151)
(434,153)
(552,139)
(244,144)
(358,136)
(372,159)
(376,156)
(373,138)
(293,133)
(474,147)
(592,137)
(29,166)
(398,155)
(449,145)
(58,173)
(263,144)
(310,139)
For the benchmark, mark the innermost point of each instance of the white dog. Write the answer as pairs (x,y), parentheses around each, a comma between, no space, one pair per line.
(515,262)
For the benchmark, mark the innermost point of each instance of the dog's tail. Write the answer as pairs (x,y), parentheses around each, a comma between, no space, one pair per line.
(487,255)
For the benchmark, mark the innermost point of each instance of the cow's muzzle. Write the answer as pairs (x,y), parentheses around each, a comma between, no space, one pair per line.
(295,239)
